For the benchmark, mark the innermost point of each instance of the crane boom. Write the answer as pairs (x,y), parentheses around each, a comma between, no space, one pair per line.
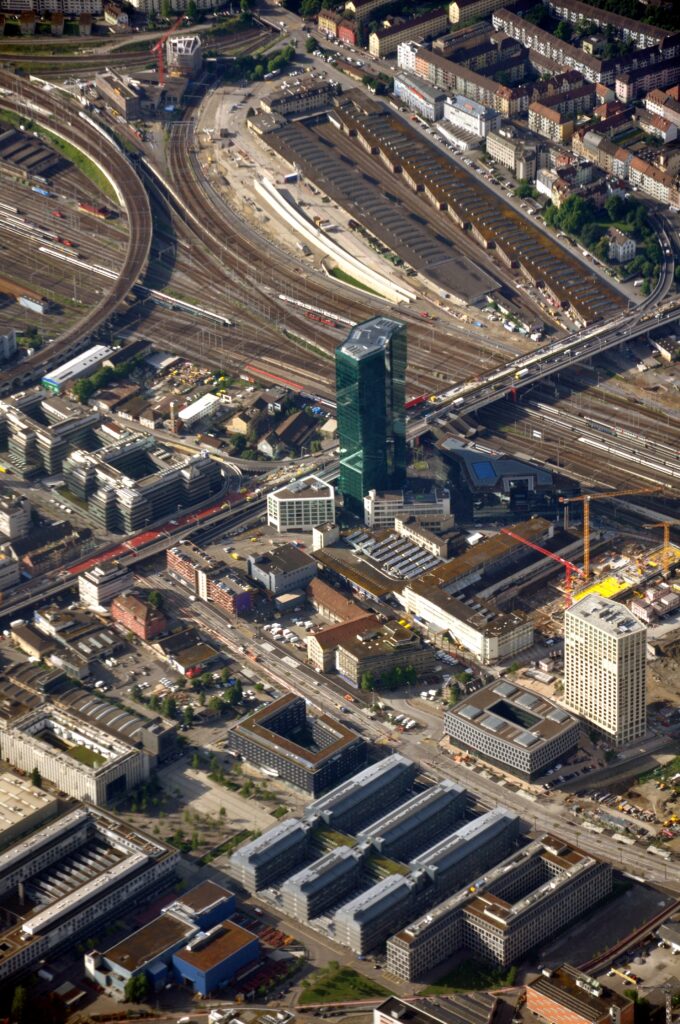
(157,48)
(569,567)
(586,500)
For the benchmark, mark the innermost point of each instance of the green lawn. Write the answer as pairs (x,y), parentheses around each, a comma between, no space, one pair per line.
(348,279)
(86,756)
(335,984)
(471,975)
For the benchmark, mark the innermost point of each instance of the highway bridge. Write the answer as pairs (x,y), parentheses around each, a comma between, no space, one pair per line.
(53,114)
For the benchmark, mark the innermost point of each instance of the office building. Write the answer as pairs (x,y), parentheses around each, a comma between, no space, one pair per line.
(23,807)
(524,900)
(121,92)
(98,586)
(323,884)
(41,429)
(10,571)
(518,730)
(470,850)
(402,833)
(370,369)
(277,853)
(312,754)
(301,505)
(432,508)
(365,921)
(15,516)
(605,667)
(379,650)
(359,801)
(567,994)
(85,868)
(282,570)
(424,99)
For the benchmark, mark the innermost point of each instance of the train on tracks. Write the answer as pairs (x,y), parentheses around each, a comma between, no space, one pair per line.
(323,315)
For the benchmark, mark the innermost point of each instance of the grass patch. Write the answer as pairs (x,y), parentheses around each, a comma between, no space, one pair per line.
(82,162)
(386,866)
(280,811)
(231,844)
(329,838)
(662,773)
(348,279)
(472,975)
(335,984)
(86,756)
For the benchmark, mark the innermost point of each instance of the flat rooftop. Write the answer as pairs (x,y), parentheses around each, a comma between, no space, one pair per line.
(518,716)
(228,939)
(149,942)
(202,897)
(369,337)
(461,1008)
(305,488)
(610,617)
(19,800)
(578,993)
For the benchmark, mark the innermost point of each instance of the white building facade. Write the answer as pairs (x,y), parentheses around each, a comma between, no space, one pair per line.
(302,505)
(605,667)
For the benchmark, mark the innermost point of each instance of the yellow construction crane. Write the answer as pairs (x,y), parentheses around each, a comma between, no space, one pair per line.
(666,556)
(586,500)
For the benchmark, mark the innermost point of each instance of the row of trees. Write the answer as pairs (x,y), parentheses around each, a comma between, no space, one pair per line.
(84,388)
(390,679)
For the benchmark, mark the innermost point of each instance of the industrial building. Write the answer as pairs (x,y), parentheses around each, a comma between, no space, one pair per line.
(202,408)
(121,93)
(360,800)
(456,1008)
(273,855)
(131,483)
(566,993)
(76,872)
(419,96)
(299,97)
(489,219)
(370,371)
(605,667)
(532,895)
(471,116)
(323,884)
(312,754)
(518,730)
(301,505)
(23,807)
(410,828)
(192,942)
(80,366)
(77,756)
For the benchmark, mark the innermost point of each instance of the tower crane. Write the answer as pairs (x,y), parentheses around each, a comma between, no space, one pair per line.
(569,567)
(158,48)
(668,989)
(666,555)
(586,500)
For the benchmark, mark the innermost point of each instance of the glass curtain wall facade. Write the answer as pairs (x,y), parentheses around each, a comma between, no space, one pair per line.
(370,372)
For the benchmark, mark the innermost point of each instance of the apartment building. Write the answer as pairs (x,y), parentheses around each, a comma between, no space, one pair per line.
(633,82)
(137,615)
(384,42)
(458,79)
(463,11)
(664,104)
(522,159)
(546,44)
(605,668)
(551,123)
(621,247)
(628,29)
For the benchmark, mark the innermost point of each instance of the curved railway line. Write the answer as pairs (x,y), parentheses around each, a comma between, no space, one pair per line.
(39,106)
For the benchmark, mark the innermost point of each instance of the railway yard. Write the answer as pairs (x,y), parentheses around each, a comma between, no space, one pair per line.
(205,251)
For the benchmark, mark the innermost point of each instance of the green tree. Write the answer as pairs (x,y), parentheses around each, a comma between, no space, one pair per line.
(188,716)
(169,707)
(215,705)
(195,761)
(367,681)
(155,599)
(246,6)
(310,44)
(137,989)
(563,31)
(36,778)
(309,8)
(18,1013)
(192,10)
(166,9)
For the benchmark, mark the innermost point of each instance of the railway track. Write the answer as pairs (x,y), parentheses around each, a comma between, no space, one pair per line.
(40,107)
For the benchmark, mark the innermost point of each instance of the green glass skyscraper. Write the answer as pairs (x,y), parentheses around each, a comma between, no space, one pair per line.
(370,372)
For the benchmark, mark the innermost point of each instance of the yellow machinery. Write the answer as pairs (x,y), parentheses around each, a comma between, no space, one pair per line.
(586,500)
